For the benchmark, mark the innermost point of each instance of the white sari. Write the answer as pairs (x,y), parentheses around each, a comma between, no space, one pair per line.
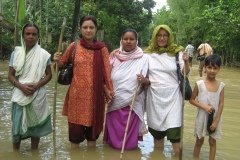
(124,77)
(30,68)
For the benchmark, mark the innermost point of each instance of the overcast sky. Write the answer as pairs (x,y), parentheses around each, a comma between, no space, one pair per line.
(159,4)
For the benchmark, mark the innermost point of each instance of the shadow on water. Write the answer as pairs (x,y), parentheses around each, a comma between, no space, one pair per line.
(227,147)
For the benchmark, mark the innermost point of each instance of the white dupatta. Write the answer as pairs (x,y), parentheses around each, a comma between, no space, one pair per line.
(30,68)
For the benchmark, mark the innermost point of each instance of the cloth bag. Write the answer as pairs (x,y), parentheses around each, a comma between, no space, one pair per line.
(65,74)
(188,89)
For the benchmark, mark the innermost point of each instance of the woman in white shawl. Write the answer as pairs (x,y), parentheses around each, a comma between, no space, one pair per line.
(127,64)
(29,71)
(164,99)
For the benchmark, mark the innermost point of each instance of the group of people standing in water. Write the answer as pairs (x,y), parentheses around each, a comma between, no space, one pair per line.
(100,77)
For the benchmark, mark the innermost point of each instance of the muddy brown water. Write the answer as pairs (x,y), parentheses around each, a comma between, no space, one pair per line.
(228,148)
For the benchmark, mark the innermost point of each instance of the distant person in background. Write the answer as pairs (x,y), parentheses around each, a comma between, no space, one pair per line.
(208,97)
(190,49)
(203,50)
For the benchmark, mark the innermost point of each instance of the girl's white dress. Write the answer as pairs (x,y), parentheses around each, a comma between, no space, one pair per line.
(206,97)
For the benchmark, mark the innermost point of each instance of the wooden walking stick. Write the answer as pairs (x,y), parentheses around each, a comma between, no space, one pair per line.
(55,85)
(129,116)
(182,119)
(104,120)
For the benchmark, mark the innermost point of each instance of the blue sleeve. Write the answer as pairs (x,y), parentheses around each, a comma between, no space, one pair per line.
(49,61)
(11,60)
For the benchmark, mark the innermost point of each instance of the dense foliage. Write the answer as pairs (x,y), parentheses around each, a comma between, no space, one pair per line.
(216,22)
(112,18)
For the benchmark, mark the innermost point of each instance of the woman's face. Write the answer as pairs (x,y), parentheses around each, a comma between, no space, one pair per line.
(88,30)
(162,38)
(129,41)
(30,36)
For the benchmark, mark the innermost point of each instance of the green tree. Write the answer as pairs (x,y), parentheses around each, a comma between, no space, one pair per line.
(112,17)
(216,22)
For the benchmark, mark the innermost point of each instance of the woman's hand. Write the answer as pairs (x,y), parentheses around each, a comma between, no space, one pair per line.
(108,94)
(57,56)
(143,80)
(185,57)
(28,89)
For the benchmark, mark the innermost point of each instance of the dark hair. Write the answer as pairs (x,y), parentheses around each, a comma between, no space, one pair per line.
(213,60)
(87,18)
(130,30)
(30,25)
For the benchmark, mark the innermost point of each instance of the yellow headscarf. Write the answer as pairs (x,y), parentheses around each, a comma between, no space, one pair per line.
(171,48)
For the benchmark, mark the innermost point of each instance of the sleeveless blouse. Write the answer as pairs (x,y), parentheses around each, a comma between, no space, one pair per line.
(207,97)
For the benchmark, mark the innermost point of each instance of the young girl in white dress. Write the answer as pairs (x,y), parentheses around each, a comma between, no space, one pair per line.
(208,96)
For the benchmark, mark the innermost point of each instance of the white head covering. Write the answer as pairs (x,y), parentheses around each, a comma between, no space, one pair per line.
(119,55)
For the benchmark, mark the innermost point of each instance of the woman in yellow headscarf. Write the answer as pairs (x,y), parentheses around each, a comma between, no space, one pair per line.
(164,99)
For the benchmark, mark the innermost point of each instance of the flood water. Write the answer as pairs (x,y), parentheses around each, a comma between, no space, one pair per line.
(228,148)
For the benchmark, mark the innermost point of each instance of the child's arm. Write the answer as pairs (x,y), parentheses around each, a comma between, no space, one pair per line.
(219,112)
(195,102)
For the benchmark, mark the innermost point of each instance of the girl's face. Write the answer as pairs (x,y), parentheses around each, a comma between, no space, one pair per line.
(211,71)
(30,36)
(162,38)
(88,30)
(129,41)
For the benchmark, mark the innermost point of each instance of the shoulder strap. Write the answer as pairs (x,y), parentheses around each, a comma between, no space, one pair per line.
(179,74)
(177,58)
(73,51)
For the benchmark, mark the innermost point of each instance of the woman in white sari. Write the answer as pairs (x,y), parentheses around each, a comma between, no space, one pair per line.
(29,71)
(127,64)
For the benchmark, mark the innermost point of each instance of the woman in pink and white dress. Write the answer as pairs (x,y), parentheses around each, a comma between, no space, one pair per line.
(129,66)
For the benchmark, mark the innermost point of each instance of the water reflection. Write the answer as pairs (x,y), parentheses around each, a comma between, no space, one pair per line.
(227,147)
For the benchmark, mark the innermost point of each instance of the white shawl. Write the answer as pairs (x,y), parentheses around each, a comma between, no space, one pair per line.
(30,68)
(125,83)
(119,55)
